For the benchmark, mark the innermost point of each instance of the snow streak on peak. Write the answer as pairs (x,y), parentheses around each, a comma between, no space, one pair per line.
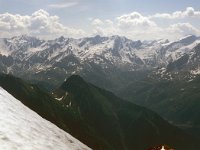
(23,129)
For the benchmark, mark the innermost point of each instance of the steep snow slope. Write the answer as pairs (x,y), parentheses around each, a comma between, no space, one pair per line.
(23,129)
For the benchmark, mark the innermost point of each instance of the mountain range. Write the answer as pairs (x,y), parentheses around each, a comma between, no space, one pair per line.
(159,76)
(100,60)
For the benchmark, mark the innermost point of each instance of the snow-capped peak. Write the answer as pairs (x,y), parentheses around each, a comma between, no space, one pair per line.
(23,129)
(25,38)
(188,39)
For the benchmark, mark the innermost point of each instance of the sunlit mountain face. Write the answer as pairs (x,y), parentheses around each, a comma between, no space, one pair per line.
(114,74)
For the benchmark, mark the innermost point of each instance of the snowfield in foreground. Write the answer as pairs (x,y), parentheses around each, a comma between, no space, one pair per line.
(23,129)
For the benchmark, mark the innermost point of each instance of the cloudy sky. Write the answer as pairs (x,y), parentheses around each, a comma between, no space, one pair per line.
(144,19)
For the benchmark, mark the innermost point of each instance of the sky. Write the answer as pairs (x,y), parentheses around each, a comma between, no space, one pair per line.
(137,20)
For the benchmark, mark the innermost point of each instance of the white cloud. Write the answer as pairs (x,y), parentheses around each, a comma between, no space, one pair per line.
(133,25)
(189,12)
(108,22)
(63,5)
(136,26)
(134,20)
(103,27)
(13,24)
(40,23)
(183,29)
(97,22)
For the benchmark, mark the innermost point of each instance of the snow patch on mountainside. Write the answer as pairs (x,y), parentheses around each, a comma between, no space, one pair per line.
(3,48)
(23,129)
(195,72)
(181,47)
